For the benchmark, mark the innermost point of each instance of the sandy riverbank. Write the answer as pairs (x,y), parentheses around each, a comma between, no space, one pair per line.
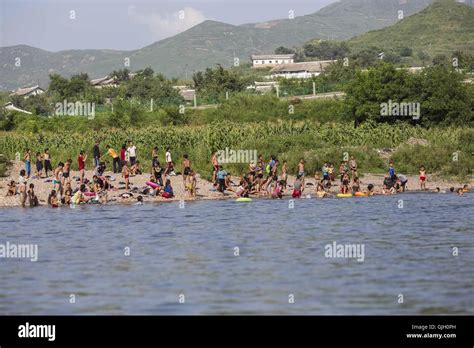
(205,189)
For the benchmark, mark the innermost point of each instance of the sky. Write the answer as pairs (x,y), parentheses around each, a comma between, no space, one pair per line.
(56,25)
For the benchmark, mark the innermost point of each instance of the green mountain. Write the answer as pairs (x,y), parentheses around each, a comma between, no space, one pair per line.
(206,44)
(441,28)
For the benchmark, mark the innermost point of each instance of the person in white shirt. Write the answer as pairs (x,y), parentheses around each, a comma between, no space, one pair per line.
(132,152)
(169,162)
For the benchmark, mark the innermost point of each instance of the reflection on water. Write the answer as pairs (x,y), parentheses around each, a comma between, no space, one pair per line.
(191,251)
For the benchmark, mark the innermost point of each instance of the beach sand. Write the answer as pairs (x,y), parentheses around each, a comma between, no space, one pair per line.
(205,189)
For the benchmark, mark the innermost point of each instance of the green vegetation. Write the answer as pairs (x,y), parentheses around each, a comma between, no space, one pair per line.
(444,27)
(3,165)
(442,96)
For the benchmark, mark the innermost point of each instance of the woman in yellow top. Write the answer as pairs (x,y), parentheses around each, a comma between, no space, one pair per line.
(115,159)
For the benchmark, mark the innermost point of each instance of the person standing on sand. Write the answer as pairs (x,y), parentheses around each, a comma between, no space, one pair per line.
(57,178)
(215,166)
(169,162)
(115,159)
(96,152)
(66,170)
(353,166)
(47,161)
(301,173)
(132,152)
(39,165)
(81,161)
(22,187)
(221,174)
(422,178)
(154,157)
(123,153)
(391,170)
(186,168)
(27,158)
(125,174)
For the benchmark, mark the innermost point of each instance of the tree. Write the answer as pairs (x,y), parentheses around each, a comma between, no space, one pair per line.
(76,88)
(366,57)
(382,83)
(326,49)
(439,91)
(147,72)
(156,87)
(284,50)
(423,56)
(214,82)
(441,59)
(121,75)
(405,51)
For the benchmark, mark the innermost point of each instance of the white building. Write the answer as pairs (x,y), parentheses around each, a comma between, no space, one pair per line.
(11,107)
(28,91)
(271,60)
(105,81)
(301,70)
(186,92)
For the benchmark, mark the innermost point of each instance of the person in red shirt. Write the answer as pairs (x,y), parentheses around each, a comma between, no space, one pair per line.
(81,160)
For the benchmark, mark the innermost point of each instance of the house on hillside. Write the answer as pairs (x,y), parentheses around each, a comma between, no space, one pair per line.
(108,81)
(413,69)
(26,92)
(271,60)
(186,92)
(11,107)
(105,81)
(263,86)
(301,70)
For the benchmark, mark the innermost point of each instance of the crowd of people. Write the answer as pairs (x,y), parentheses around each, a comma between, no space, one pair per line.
(270,178)
(263,178)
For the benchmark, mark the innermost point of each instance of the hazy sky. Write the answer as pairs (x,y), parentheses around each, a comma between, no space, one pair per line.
(127,24)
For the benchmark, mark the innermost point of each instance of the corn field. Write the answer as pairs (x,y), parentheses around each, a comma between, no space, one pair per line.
(200,141)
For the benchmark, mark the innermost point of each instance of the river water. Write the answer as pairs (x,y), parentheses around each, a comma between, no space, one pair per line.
(185,261)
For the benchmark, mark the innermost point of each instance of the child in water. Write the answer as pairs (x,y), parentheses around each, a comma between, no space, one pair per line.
(33,199)
(345,184)
(355,185)
(67,194)
(53,199)
(297,187)
(278,189)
